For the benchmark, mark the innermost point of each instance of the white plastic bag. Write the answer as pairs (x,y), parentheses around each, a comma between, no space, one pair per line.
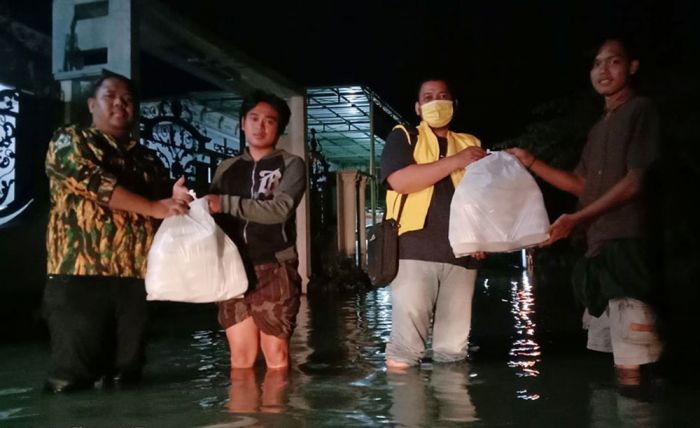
(497,207)
(192,260)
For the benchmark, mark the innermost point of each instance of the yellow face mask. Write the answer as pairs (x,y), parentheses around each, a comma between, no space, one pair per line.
(437,113)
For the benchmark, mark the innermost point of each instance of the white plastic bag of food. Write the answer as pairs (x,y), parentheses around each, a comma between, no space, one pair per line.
(193,260)
(497,207)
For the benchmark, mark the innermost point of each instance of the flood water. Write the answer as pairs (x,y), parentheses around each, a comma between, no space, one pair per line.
(528,367)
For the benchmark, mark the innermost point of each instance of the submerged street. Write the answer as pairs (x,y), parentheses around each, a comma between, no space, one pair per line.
(528,367)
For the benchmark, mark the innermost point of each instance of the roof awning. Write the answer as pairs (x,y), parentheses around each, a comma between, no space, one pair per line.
(347,121)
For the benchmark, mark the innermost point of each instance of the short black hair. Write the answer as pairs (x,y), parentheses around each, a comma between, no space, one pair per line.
(631,49)
(627,41)
(279,104)
(106,74)
(448,83)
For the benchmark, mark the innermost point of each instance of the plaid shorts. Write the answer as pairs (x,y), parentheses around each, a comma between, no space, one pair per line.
(273,301)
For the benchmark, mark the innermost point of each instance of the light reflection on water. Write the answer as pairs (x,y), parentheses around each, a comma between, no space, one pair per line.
(525,350)
(337,376)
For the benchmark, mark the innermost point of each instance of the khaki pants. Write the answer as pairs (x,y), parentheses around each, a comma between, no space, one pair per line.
(419,287)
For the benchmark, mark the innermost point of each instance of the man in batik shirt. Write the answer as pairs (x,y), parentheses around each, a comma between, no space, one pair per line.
(107,194)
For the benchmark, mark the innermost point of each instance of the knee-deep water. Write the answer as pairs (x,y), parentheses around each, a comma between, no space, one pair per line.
(528,367)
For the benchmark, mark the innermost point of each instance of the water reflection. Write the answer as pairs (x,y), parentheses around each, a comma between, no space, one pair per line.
(423,395)
(525,351)
(374,320)
(246,395)
(345,336)
(337,376)
(609,408)
(336,352)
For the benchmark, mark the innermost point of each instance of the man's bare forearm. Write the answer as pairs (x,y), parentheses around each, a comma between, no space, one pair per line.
(562,180)
(624,191)
(417,177)
(123,199)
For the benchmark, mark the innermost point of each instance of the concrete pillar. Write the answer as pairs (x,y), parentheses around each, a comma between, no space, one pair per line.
(362,245)
(89,36)
(294,141)
(71,95)
(346,212)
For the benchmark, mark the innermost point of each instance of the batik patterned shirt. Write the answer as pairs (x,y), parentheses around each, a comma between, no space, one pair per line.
(85,236)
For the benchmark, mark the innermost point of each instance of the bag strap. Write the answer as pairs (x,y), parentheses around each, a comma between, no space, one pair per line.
(398,216)
(403,202)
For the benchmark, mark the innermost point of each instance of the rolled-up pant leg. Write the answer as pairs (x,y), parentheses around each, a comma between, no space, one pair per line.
(413,294)
(453,313)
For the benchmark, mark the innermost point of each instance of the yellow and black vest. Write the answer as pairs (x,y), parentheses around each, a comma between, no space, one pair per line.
(426,150)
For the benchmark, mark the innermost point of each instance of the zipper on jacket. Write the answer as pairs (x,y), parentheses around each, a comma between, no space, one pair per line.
(252,196)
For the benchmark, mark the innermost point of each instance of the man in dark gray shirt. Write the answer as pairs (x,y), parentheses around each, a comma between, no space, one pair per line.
(613,280)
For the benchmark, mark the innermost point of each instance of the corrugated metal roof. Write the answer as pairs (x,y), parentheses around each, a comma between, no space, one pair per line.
(345,122)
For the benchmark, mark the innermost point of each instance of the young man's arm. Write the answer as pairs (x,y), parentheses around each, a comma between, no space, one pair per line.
(621,193)
(562,180)
(272,211)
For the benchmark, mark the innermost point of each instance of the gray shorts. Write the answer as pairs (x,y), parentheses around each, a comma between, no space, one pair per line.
(627,328)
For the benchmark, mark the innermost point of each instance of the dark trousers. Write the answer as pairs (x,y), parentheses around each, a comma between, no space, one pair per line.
(97,327)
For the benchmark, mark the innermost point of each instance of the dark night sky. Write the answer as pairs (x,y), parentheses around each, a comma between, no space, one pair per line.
(504,57)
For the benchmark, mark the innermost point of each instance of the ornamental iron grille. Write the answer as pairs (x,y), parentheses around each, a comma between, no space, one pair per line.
(318,165)
(171,128)
(322,202)
(320,189)
(9,111)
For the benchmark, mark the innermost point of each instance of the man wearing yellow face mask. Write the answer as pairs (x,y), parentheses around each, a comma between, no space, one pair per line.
(425,164)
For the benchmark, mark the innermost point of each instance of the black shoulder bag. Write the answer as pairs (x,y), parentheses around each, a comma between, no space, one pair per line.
(383,240)
(383,249)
